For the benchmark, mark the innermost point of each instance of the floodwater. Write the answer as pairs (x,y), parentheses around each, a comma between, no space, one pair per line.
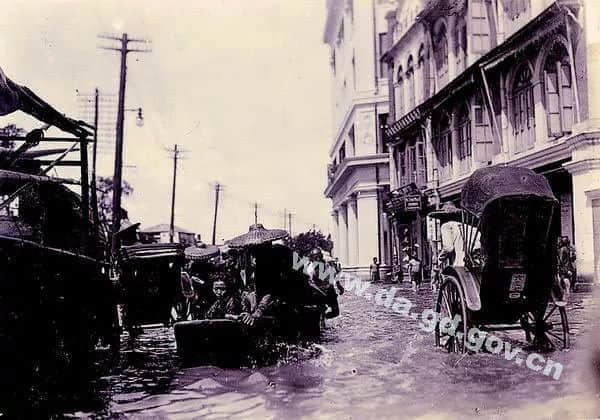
(370,363)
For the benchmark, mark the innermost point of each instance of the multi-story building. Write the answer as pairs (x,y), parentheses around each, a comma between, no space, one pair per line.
(485,82)
(358,175)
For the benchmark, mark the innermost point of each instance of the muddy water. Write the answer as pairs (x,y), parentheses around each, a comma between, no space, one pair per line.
(371,363)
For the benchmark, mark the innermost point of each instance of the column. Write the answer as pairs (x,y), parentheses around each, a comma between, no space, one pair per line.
(586,199)
(336,233)
(343,234)
(353,236)
(367,227)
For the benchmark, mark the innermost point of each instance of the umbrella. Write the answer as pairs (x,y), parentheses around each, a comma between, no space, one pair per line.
(257,235)
(201,252)
(447,213)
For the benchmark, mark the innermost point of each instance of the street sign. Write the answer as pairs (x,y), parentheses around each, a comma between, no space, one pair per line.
(412,201)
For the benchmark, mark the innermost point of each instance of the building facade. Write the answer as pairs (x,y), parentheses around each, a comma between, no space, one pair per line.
(358,175)
(487,82)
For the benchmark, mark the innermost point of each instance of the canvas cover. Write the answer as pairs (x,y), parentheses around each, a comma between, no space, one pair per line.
(486,185)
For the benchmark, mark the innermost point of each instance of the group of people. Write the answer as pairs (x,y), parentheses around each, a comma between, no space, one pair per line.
(265,286)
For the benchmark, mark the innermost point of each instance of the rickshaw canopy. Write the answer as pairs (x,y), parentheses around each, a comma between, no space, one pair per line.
(487,185)
(152,251)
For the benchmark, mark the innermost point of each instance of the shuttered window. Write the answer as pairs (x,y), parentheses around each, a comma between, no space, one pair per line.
(399,92)
(484,140)
(441,55)
(410,81)
(559,92)
(523,110)
(463,131)
(480,28)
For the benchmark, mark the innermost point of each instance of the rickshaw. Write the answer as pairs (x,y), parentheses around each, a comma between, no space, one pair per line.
(151,279)
(509,283)
(229,341)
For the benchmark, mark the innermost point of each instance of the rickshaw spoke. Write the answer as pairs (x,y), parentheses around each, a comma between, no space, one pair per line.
(556,336)
(550,312)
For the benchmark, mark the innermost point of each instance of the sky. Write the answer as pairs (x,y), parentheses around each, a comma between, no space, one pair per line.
(243,87)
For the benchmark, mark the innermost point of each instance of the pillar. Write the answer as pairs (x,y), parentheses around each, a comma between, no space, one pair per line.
(366,203)
(343,234)
(585,172)
(336,233)
(353,236)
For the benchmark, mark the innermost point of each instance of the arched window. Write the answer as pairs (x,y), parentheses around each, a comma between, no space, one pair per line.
(410,82)
(559,92)
(460,45)
(463,132)
(422,78)
(440,47)
(523,109)
(399,92)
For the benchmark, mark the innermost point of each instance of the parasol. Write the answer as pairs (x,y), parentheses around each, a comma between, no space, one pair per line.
(447,213)
(201,252)
(257,235)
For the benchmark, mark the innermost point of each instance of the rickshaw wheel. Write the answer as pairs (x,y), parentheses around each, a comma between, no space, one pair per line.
(556,325)
(450,303)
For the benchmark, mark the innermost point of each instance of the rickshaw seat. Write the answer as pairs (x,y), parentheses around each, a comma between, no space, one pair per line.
(471,285)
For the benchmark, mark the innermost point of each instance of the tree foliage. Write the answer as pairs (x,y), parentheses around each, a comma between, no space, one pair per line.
(13,131)
(304,242)
(104,186)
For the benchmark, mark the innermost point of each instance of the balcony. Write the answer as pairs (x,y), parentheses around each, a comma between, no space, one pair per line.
(336,174)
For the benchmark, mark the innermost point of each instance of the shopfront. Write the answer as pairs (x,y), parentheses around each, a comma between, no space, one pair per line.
(406,209)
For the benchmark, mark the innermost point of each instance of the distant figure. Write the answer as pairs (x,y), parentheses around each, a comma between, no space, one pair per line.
(414,270)
(374,270)
(566,262)
(226,303)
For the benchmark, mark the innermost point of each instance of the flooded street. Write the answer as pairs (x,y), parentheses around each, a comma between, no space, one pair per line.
(371,363)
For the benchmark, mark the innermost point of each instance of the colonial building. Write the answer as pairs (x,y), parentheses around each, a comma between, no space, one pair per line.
(486,82)
(358,175)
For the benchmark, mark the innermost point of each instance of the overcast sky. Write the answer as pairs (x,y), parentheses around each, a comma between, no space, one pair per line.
(242,86)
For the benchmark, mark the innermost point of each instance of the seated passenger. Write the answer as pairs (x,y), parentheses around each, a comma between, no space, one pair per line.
(253,308)
(226,303)
(323,285)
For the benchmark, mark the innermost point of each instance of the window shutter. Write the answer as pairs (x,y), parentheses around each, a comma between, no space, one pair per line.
(484,140)
(566,97)
(421,164)
(553,104)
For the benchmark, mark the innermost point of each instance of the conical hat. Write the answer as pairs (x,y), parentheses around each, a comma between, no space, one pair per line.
(257,235)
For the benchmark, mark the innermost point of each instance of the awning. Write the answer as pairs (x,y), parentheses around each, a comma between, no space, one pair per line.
(14,97)
(24,177)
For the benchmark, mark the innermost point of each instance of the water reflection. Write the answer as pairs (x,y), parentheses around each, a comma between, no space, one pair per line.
(370,363)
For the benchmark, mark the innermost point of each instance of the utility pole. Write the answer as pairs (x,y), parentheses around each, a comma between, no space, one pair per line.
(290,223)
(172,225)
(94,154)
(217,189)
(117,178)
(255,213)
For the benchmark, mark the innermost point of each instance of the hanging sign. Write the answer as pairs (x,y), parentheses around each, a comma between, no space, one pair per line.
(412,201)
